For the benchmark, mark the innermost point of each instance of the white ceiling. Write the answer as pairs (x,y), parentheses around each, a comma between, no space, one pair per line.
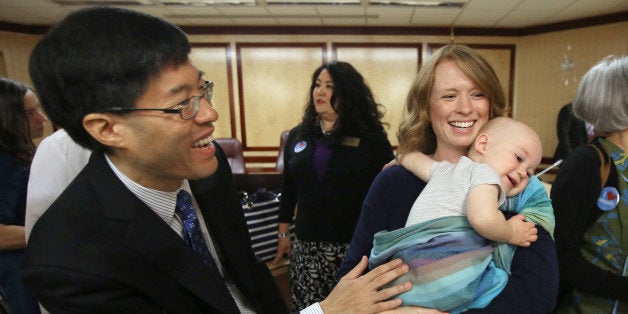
(473,13)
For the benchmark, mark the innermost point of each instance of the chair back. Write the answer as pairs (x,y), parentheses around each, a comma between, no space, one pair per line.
(233,149)
(282,143)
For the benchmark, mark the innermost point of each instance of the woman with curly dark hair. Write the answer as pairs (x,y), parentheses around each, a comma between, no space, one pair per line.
(20,121)
(331,158)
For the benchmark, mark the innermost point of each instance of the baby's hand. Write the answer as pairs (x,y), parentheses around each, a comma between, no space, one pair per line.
(409,160)
(523,232)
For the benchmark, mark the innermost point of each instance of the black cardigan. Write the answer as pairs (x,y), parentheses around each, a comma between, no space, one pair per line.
(329,210)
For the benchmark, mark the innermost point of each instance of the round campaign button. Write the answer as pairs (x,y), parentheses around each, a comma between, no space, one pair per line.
(300,146)
(609,198)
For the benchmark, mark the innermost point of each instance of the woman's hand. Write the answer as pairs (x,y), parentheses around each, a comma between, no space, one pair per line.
(284,243)
(283,247)
(363,294)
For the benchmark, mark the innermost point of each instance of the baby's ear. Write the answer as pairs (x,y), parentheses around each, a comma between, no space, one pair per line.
(481,143)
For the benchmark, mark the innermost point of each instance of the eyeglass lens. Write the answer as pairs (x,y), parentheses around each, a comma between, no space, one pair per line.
(187,112)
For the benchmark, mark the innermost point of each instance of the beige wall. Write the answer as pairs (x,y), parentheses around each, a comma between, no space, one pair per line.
(15,49)
(540,88)
(262,80)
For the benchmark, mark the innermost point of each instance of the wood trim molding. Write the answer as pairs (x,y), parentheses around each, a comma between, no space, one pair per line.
(365,30)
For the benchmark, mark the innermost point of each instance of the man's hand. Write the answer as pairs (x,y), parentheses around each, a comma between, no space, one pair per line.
(362,294)
(413,310)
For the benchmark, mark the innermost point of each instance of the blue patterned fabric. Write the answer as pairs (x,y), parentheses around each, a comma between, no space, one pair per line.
(451,265)
(191,228)
(537,209)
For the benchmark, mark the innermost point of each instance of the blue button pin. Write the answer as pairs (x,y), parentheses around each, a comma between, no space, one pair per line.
(609,198)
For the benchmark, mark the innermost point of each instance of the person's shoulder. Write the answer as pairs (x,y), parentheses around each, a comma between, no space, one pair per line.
(295,132)
(6,157)
(60,138)
(464,160)
(374,136)
(583,154)
(396,176)
(397,188)
(9,161)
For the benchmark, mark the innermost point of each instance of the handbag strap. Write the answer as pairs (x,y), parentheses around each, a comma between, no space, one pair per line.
(605,166)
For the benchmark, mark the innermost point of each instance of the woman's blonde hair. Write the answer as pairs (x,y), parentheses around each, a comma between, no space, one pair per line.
(415,132)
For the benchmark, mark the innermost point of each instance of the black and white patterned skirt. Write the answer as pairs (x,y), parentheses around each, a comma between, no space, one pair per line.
(313,266)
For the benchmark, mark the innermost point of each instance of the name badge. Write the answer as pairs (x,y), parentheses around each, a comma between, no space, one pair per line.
(351,141)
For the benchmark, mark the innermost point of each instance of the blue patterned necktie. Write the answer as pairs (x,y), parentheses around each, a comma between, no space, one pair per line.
(191,228)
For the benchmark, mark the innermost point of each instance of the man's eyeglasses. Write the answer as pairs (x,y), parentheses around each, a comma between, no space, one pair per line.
(183,108)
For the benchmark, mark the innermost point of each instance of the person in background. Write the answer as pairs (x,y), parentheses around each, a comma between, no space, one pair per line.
(455,93)
(21,121)
(57,161)
(590,198)
(572,132)
(150,225)
(330,160)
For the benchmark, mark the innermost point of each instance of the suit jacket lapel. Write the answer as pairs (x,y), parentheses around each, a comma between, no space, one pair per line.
(219,205)
(152,238)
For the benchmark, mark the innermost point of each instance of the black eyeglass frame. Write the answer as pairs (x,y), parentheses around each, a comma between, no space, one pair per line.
(207,91)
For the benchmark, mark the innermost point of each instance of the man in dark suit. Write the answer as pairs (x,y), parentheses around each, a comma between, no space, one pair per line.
(152,223)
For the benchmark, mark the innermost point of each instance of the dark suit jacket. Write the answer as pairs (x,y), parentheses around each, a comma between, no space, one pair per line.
(98,248)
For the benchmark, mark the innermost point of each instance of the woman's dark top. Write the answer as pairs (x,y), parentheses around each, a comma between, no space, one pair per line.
(328,209)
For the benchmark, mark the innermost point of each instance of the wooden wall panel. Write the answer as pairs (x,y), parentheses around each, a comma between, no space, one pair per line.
(540,89)
(3,65)
(274,81)
(502,60)
(214,61)
(389,70)
(16,49)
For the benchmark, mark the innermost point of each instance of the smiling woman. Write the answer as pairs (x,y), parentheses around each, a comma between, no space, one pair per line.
(444,117)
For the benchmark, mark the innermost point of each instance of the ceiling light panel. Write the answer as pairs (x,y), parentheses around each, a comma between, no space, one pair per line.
(420,3)
(313,2)
(103,2)
(204,3)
